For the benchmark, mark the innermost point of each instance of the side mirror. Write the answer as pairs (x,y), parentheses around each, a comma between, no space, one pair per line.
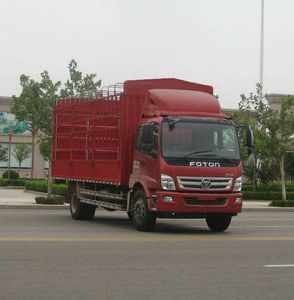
(245,136)
(147,134)
(149,139)
(249,140)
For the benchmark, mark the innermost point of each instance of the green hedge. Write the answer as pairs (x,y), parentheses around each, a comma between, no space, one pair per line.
(266,195)
(271,188)
(36,185)
(60,189)
(52,200)
(42,186)
(12,182)
(279,203)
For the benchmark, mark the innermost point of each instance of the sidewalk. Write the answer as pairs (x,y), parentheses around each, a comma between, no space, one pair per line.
(18,198)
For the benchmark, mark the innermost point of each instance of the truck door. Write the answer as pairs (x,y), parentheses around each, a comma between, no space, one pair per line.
(145,164)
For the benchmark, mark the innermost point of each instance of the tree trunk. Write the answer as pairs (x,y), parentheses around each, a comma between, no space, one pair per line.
(254,173)
(284,197)
(49,195)
(33,154)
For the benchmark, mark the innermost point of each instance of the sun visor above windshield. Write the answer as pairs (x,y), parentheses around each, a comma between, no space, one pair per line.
(169,102)
(140,87)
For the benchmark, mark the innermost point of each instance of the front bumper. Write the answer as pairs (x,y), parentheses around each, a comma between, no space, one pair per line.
(175,202)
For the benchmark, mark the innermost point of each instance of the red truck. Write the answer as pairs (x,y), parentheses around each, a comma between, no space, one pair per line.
(156,148)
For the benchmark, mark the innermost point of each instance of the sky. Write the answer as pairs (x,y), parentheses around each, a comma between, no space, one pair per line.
(216,42)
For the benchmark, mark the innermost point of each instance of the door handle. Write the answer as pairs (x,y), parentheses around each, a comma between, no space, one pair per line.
(142,162)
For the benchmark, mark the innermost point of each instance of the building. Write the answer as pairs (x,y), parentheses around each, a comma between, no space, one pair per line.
(275,100)
(13,133)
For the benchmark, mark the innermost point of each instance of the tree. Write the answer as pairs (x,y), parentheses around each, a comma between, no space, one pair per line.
(36,101)
(45,143)
(261,172)
(79,85)
(3,153)
(32,104)
(273,129)
(267,171)
(76,85)
(289,165)
(21,152)
(282,132)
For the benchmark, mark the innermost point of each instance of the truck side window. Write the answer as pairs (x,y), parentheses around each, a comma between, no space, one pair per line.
(138,138)
(146,139)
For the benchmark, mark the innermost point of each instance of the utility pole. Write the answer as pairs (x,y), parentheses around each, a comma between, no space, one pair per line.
(261,45)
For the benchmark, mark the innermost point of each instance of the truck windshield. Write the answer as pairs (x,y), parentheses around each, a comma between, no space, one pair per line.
(192,139)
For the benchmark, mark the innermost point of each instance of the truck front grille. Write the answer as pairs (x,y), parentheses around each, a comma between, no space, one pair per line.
(205,183)
(195,201)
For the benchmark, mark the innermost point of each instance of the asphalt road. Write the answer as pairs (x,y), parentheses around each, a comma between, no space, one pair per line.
(44,254)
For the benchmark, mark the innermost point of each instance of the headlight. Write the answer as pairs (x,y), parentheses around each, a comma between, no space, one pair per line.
(238,184)
(167,182)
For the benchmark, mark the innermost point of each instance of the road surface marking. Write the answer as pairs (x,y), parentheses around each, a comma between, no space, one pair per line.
(269,219)
(143,239)
(279,266)
(263,226)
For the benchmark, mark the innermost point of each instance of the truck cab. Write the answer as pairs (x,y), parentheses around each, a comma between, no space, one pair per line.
(186,160)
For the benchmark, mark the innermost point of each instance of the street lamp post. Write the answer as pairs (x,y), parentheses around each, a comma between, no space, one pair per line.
(10,133)
(261,45)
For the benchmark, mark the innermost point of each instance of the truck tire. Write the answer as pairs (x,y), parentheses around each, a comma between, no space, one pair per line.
(218,223)
(142,218)
(78,210)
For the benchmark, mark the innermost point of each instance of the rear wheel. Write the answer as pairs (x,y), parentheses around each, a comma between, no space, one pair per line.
(218,223)
(79,210)
(142,218)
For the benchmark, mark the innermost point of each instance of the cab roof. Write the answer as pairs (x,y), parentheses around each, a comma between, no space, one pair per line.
(173,102)
(144,85)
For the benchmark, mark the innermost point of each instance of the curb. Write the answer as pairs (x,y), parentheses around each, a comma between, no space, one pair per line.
(35,206)
(11,187)
(268,209)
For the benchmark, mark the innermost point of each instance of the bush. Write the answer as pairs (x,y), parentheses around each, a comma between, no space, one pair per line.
(60,189)
(13,174)
(40,185)
(280,203)
(52,200)
(273,187)
(265,195)
(12,182)
(37,185)
(246,188)
(277,187)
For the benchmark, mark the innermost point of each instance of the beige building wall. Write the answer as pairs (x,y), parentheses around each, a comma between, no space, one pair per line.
(39,163)
(275,100)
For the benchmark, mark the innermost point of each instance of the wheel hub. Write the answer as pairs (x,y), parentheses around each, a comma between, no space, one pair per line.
(139,210)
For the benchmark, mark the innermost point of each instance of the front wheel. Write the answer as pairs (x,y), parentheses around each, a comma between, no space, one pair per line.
(218,223)
(79,210)
(142,218)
